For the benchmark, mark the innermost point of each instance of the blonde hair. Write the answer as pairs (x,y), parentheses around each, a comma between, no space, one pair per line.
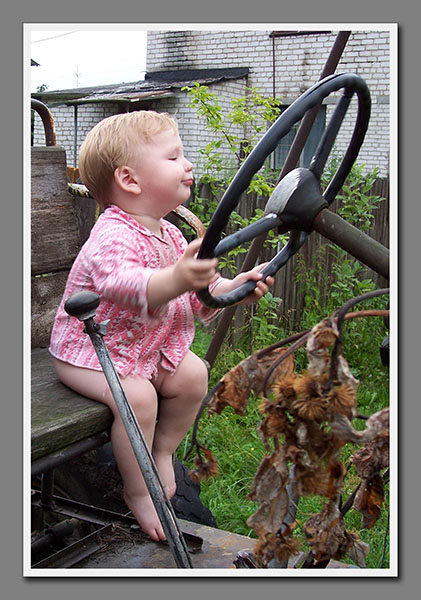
(112,144)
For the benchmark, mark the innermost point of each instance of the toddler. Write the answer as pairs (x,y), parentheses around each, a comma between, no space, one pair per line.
(146,276)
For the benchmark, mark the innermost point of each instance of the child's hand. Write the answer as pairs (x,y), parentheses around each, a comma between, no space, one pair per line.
(262,287)
(187,274)
(193,274)
(255,274)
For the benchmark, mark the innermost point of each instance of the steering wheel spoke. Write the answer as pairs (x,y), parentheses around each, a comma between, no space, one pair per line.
(297,198)
(253,230)
(329,136)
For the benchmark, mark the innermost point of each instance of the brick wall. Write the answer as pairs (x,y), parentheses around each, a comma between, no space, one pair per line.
(297,66)
(298,63)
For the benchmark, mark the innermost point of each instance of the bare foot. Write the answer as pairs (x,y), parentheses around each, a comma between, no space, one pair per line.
(164,464)
(145,514)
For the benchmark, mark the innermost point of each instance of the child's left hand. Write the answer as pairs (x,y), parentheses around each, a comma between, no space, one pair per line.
(227,285)
(262,287)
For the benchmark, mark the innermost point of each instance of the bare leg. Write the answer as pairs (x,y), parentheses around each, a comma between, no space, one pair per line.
(181,395)
(143,399)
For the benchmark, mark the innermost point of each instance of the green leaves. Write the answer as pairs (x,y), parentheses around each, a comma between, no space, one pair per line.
(235,132)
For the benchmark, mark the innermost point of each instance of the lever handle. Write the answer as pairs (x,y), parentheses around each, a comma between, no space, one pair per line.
(82,305)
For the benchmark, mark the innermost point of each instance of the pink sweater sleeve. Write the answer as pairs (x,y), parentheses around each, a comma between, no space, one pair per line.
(119,272)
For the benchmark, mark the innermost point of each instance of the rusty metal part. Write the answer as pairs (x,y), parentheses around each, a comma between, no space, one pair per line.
(188,217)
(100,516)
(290,163)
(46,463)
(218,551)
(52,537)
(183,213)
(47,120)
(77,189)
(74,553)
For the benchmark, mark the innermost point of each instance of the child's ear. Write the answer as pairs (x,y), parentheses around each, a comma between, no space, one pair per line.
(126,178)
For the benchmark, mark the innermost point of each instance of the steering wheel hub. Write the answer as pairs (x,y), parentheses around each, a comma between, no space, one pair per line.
(296,200)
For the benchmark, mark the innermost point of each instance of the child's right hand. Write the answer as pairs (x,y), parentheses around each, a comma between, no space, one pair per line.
(187,274)
(195,274)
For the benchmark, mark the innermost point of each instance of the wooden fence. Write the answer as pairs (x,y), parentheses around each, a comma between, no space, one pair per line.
(316,249)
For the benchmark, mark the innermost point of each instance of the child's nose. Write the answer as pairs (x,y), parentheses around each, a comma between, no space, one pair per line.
(189,165)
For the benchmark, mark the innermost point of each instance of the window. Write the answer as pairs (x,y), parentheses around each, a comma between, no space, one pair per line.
(281,151)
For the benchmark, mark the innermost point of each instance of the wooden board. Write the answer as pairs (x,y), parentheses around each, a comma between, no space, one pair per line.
(55,238)
(59,416)
(46,294)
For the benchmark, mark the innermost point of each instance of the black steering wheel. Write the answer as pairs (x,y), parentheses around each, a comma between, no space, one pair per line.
(297,198)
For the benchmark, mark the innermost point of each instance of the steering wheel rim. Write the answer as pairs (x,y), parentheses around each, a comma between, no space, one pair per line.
(351,84)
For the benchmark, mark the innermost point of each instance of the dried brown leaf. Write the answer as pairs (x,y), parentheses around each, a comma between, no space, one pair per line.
(375,425)
(319,480)
(357,550)
(277,546)
(343,372)
(325,533)
(269,491)
(369,500)
(283,370)
(204,469)
(272,425)
(323,335)
(270,514)
(374,456)
(271,476)
(247,376)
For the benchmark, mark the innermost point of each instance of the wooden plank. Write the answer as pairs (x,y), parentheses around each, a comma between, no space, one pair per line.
(85,209)
(46,293)
(55,238)
(59,416)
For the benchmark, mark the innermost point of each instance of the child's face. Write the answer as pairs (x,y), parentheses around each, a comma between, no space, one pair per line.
(165,175)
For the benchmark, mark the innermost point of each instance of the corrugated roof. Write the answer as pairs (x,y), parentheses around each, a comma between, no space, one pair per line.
(158,84)
(182,75)
(121,98)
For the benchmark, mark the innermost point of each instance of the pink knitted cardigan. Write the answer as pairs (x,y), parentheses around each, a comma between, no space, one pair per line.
(116,263)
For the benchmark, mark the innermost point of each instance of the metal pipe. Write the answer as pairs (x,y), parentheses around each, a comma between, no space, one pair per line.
(364,248)
(47,486)
(53,534)
(83,305)
(144,458)
(77,449)
(47,120)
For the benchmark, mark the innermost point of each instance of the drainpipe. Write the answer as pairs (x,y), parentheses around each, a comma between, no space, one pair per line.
(75,137)
(273,66)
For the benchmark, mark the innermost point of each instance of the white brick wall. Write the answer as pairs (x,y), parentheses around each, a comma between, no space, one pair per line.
(298,63)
